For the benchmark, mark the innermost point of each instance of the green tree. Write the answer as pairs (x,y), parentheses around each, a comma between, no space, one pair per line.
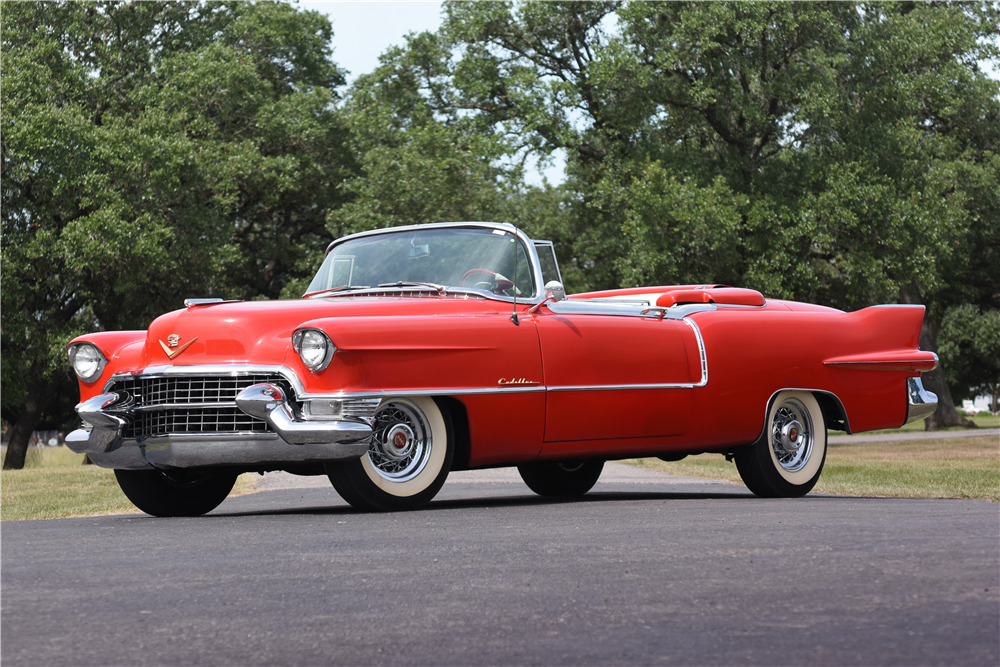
(528,72)
(420,159)
(153,151)
(843,153)
(970,347)
(919,126)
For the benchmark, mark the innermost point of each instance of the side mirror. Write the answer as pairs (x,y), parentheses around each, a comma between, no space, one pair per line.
(554,290)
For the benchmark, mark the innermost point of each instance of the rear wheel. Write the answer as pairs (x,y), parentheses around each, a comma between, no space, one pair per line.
(407,461)
(788,459)
(561,479)
(175,493)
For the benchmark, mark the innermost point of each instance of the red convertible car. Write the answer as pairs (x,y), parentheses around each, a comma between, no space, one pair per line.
(424,349)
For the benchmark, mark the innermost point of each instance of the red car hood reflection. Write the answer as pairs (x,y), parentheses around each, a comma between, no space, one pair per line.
(259,332)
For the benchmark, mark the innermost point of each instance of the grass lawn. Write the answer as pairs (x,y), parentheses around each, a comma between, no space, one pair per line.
(56,484)
(967,468)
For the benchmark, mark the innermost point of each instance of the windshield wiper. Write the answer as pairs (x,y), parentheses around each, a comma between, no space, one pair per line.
(440,289)
(342,288)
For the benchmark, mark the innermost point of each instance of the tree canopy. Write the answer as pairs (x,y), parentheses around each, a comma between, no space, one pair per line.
(841,153)
(153,151)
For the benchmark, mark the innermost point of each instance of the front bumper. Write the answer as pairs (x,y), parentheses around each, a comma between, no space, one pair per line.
(291,440)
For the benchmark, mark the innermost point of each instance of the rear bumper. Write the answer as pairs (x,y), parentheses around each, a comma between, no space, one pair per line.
(921,403)
(292,440)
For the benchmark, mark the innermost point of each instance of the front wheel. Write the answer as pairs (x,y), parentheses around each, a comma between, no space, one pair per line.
(561,479)
(175,493)
(407,461)
(787,460)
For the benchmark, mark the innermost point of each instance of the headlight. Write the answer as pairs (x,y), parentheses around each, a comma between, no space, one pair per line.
(87,361)
(314,348)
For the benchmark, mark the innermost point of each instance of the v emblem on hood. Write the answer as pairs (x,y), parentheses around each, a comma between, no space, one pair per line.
(172,342)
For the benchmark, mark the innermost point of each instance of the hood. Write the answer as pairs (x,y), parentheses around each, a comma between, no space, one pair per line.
(260,332)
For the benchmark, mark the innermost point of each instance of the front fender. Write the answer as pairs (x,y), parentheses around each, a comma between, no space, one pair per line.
(122,349)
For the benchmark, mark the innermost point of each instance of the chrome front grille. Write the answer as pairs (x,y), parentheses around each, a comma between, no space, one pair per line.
(173,404)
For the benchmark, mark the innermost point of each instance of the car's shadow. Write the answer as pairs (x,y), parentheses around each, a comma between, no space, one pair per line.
(481,502)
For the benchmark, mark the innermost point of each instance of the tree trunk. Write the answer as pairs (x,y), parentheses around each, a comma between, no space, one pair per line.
(946,413)
(24,426)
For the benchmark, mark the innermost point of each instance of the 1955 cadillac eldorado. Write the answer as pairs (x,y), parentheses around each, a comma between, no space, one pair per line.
(424,349)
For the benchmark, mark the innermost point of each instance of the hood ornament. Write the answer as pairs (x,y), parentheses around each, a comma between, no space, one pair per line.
(170,347)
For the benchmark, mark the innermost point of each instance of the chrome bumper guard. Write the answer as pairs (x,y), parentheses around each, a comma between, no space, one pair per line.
(922,403)
(292,441)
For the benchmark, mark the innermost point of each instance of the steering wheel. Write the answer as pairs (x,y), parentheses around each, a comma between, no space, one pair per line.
(497,284)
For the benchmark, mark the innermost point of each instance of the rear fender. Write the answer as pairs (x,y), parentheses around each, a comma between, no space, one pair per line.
(893,345)
(834,413)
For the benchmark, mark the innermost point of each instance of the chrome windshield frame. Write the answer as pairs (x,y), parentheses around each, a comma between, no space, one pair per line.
(527,244)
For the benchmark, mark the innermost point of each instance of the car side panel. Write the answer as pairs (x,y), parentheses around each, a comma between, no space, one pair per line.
(483,352)
(751,355)
(754,354)
(612,376)
(504,428)
(484,360)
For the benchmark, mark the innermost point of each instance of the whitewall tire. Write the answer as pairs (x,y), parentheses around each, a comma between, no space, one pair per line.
(407,461)
(787,460)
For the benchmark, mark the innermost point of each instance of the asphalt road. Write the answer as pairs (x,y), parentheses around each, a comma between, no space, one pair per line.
(647,569)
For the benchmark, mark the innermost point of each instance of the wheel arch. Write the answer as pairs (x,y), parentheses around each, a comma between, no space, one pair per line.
(456,419)
(834,413)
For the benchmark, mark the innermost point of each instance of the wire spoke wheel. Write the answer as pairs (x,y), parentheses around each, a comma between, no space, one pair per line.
(792,436)
(401,442)
(407,461)
(788,459)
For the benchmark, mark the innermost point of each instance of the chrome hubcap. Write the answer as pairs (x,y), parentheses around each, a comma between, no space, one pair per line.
(401,441)
(792,435)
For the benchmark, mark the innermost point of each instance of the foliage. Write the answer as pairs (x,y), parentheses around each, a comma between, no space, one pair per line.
(970,348)
(837,152)
(153,151)
(420,160)
(842,153)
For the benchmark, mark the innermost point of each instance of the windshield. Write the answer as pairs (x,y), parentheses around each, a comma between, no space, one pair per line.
(452,257)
